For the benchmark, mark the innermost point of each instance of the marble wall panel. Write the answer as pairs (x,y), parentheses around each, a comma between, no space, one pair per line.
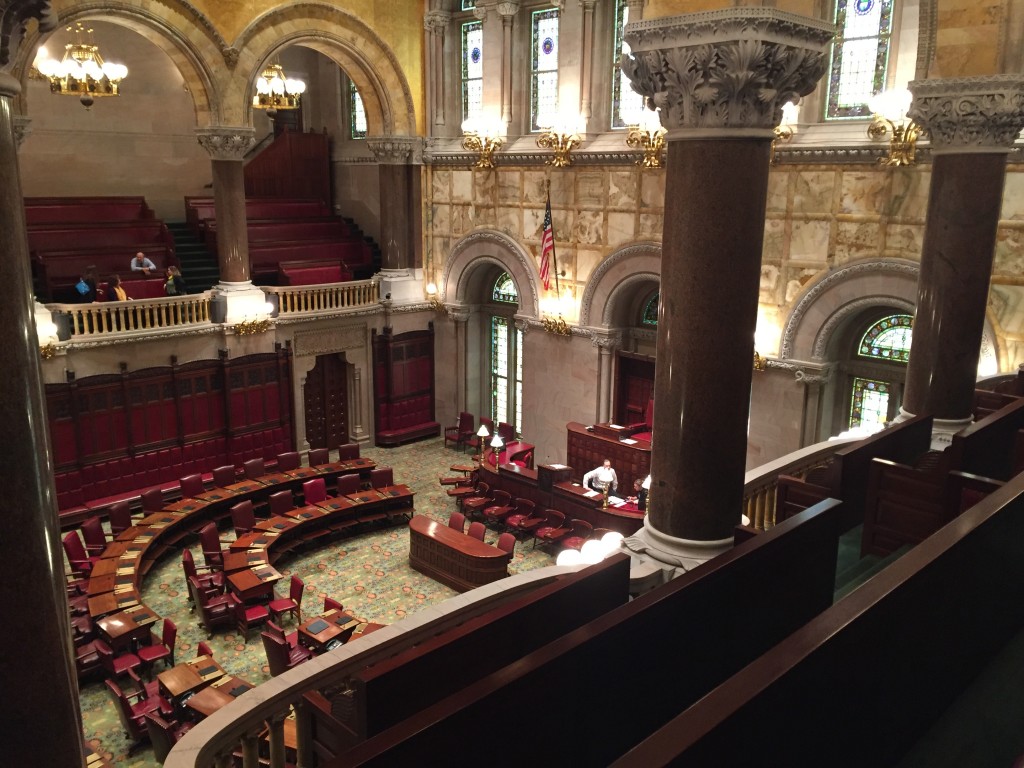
(904,241)
(652,190)
(1009,255)
(623,187)
(533,223)
(441,222)
(813,191)
(769,285)
(795,280)
(534,187)
(908,195)
(589,228)
(857,240)
(510,221)
(586,262)
(441,184)
(485,187)
(590,189)
(563,188)
(564,224)
(510,187)
(461,219)
(1013,197)
(774,247)
(621,228)
(651,226)
(778,191)
(809,240)
(462,186)
(863,192)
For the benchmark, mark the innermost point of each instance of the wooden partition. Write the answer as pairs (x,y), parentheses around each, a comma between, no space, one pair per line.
(861,684)
(594,693)
(403,404)
(987,447)
(294,165)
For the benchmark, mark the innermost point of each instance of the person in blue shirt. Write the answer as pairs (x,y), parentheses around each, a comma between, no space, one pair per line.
(142,264)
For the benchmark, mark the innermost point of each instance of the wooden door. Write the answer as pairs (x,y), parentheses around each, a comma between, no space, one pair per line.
(326,403)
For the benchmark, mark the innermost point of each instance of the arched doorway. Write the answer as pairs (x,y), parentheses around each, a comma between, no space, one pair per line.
(325,401)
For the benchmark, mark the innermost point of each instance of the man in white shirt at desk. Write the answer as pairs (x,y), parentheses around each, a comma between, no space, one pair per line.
(601,478)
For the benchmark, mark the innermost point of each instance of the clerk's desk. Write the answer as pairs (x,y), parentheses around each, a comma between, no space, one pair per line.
(586,449)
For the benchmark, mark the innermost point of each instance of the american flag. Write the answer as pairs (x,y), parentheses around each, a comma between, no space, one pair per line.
(547,247)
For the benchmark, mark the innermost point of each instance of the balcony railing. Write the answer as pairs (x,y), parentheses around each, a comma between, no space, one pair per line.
(299,300)
(142,316)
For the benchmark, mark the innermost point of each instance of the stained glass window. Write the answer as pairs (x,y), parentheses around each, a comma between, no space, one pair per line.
(888,339)
(544,69)
(468,5)
(356,113)
(627,104)
(519,381)
(499,368)
(860,56)
(870,404)
(472,69)
(650,313)
(505,290)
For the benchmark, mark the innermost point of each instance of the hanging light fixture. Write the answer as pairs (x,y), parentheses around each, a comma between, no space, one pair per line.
(82,72)
(275,91)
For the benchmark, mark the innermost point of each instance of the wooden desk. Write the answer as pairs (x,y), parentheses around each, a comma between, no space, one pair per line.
(121,629)
(340,627)
(254,540)
(453,558)
(334,504)
(112,602)
(187,505)
(216,494)
(208,700)
(306,513)
(585,450)
(113,550)
(254,584)
(304,473)
(245,486)
(104,568)
(274,478)
(159,520)
(239,561)
(234,686)
(276,524)
(190,676)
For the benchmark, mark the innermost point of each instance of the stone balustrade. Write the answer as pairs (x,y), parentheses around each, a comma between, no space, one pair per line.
(108,318)
(299,300)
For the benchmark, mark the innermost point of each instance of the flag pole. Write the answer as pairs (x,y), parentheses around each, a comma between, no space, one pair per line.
(554,254)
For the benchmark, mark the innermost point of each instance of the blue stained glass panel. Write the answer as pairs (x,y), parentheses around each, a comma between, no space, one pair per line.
(888,339)
(544,69)
(505,290)
(472,69)
(870,403)
(860,56)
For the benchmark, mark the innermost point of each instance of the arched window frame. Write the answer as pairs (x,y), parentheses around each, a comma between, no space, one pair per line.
(649,313)
(876,343)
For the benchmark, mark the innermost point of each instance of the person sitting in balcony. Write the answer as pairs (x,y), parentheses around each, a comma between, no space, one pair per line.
(602,478)
(175,285)
(142,264)
(85,288)
(116,290)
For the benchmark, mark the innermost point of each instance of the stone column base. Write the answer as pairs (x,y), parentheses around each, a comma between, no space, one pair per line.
(942,429)
(238,302)
(404,285)
(659,558)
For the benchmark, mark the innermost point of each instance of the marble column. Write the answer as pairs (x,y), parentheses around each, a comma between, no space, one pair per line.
(436,22)
(972,124)
(227,147)
(587,60)
(40,713)
(400,219)
(719,80)
(606,344)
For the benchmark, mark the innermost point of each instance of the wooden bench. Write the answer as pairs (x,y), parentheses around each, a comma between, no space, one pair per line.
(84,210)
(199,210)
(312,273)
(56,272)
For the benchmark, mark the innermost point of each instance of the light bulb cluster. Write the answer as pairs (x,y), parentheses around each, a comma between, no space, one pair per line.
(275,91)
(82,72)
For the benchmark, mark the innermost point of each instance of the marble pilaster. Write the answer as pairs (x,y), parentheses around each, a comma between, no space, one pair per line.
(436,24)
(606,345)
(719,80)
(972,124)
(507,11)
(38,676)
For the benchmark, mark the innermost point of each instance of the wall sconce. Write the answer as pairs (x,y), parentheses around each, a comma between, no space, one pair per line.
(890,116)
(435,303)
(563,138)
(785,131)
(553,313)
(760,363)
(46,332)
(556,326)
(648,136)
(483,138)
(259,324)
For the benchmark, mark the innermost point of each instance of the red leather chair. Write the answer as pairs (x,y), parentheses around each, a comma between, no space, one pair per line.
(152,500)
(95,540)
(461,433)
(191,486)
(498,511)
(248,616)
(280,657)
(382,477)
(580,533)
(524,509)
(162,648)
(280,502)
(642,430)
(116,664)
(552,529)
(458,522)
(475,505)
(242,518)
(289,460)
(330,602)
(224,476)
(348,451)
(210,582)
(507,543)
(132,714)
(254,469)
(506,432)
(348,484)
(523,521)
(202,649)
(120,516)
(213,555)
(314,491)
(80,562)
(164,734)
(291,604)
(87,659)
(476,530)
(214,611)
(318,456)
(292,638)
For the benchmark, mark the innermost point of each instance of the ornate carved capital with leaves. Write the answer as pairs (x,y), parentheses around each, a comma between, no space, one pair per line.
(226,143)
(972,114)
(728,71)
(14,17)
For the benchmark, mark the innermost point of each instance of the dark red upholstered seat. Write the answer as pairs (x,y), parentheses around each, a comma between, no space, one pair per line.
(579,535)
(314,491)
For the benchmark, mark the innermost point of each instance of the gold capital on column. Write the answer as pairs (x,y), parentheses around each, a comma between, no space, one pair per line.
(726,72)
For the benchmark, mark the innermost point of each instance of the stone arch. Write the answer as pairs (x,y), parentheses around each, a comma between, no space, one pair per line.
(490,246)
(609,283)
(181,32)
(826,302)
(343,38)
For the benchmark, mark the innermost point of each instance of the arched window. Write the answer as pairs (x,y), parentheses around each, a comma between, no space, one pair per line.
(888,339)
(876,384)
(860,56)
(506,352)
(356,112)
(627,104)
(543,68)
(649,316)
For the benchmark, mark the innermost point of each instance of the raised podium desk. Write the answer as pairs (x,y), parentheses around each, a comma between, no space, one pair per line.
(455,559)
(585,450)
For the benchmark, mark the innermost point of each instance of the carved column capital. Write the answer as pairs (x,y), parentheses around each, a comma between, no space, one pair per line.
(436,21)
(507,10)
(727,72)
(636,9)
(523,324)
(226,142)
(607,342)
(458,314)
(14,18)
(588,5)
(396,150)
(971,114)
(480,13)
(22,129)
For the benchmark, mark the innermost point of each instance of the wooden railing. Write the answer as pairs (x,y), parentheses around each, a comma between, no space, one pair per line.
(145,315)
(309,299)
(761,482)
(237,727)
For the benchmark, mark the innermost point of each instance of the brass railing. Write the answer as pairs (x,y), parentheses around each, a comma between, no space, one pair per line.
(761,482)
(329,297)
(120,317)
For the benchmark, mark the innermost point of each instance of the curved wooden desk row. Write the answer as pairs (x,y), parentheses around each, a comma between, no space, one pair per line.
(453,558)
(113,585)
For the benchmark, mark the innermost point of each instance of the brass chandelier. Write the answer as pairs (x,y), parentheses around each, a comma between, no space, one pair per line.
(82,72)
(275,91)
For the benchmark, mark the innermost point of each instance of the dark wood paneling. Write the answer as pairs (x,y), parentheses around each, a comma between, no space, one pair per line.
(325,399)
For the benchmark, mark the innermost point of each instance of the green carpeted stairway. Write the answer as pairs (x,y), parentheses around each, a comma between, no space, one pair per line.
(198,266)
